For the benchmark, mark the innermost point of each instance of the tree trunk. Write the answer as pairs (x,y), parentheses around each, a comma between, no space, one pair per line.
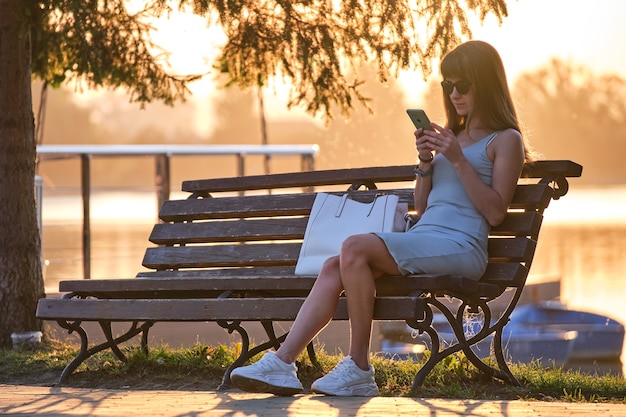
(21,281)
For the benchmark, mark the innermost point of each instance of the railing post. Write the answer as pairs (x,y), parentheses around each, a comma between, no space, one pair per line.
(85,162)
(306,165)
(241,169)
(307,162)
(162,179)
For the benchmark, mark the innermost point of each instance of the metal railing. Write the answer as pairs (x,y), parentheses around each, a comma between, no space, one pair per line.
(162,155)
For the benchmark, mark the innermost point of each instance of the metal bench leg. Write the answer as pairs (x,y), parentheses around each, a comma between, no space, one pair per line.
(485,330)
(271,334)
(246,352)
(82,353)
(313,357)
(424,325)
(435,357)
(105,325)
(502,371)
(112,343)
(144,328)
(506,374)
(134,330)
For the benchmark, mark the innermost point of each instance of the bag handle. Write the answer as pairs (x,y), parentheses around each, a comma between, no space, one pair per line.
(345,197)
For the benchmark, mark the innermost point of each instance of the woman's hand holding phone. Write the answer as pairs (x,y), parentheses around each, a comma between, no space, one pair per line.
(423,146)
(442,140)
(422,124)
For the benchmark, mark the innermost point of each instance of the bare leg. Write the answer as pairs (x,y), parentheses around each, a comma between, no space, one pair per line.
(316,311)
(363,259)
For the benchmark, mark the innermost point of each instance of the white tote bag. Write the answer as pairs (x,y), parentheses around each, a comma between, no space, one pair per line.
(333,218)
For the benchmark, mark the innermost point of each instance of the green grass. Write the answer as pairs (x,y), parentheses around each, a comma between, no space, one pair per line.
(201,367)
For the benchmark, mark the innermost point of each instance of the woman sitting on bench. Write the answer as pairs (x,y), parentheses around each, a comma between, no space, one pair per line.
(465,181)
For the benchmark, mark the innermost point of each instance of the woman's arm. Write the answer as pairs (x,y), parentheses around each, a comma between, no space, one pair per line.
(424,184)
(507,154)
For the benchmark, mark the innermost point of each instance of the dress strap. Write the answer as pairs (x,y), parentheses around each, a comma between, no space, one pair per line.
(493,136)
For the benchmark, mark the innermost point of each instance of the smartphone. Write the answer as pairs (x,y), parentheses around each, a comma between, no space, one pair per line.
(419,119)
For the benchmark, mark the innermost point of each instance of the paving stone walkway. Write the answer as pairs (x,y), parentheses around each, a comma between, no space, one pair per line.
(20,400)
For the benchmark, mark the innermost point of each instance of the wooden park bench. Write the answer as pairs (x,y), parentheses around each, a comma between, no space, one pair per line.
(227,254)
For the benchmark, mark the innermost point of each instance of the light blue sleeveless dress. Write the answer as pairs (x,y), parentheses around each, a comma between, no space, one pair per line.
(451,236)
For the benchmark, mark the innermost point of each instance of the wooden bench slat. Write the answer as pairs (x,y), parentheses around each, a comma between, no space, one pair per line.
(505,274)
(385,308)
(221,255)
(526,197)
(273,285)
(258,271)
(518,249)
(302,179)
(179,284)
(174,257)
(501,274)
(551,168)
(229,231)
(497,272)
(532,197)
(237,207)
(290,228)
(538,169)
(256,205)
(525,223)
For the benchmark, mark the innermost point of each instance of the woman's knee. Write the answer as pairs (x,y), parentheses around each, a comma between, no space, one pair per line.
(330,274)
(330,266)
(355,250)
(370,251)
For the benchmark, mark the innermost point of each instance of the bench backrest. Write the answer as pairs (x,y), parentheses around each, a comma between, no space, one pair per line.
(218,231)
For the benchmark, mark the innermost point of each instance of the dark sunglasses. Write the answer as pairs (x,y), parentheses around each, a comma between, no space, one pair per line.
(462,87)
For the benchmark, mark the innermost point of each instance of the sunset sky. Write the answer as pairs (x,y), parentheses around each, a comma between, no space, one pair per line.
(585,32)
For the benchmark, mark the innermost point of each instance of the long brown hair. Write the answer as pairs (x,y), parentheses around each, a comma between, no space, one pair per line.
(479,63)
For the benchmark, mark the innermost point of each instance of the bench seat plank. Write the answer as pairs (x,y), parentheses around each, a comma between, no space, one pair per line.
(526,197)
(166,257)
(290,228)
(229,231)
(274,286)
(247,309)
(251,254)
(506,273)
(499,275)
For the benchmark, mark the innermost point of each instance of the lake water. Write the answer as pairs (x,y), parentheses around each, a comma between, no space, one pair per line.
(582,243)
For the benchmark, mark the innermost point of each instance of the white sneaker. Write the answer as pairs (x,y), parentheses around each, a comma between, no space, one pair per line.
(347,380)
(269,374)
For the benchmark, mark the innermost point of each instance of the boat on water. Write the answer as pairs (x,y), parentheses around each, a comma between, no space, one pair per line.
(600,338)
(549,347)
(546,332)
